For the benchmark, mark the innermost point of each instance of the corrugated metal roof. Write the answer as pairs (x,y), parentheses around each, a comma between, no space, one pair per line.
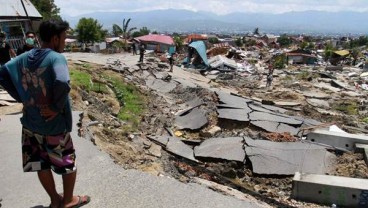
(201,49)
(157,38)
(15,9)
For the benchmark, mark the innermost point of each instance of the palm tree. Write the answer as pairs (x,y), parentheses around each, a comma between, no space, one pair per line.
(116,30)
(126,31)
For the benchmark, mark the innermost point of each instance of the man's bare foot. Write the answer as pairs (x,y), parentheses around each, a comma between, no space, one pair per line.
(78,201)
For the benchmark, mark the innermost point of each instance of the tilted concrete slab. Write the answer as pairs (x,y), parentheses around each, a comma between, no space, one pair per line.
(229,148)
(351,94)
(261,116)
(272,108)
(327,87)
(232,100)
(161,140)
(160,85)
(339,84)
(311,122)
(185,82)
(324,189)
(194,120)
(318,103)
(287,128)
(259,108)
(286,158)
(318,95)
(275,127)
(233,114)
(336,139)
(177,147)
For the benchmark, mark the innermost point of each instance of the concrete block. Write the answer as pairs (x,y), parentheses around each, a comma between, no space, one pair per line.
(363,149)
(328,190)
(336,139)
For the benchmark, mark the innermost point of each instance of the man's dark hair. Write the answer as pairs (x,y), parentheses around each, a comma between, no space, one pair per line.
(50,28)
(30,32)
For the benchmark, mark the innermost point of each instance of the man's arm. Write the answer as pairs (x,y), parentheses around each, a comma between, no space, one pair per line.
(12,53)
(8,85)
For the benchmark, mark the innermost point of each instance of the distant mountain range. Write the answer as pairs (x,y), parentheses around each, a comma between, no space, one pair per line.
(309,22)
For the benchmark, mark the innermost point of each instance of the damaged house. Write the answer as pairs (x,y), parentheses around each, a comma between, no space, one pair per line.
(16,18)
(158,43)
(300,56)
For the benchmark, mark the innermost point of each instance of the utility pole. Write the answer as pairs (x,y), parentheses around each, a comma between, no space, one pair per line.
(25,11)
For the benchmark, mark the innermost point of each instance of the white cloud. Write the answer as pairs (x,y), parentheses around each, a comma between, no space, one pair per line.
(76,7)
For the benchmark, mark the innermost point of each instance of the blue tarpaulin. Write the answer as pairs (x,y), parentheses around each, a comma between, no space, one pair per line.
(201,49)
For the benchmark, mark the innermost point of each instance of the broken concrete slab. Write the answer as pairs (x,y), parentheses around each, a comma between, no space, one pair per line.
(275,127)
(232,100)
(326,75)
(286,158)
(229,148)
(160,85)
(327,87)
(259,108)
(261,116)
(318,103)
(327,190)
(351,94)
(233,114)
(318,95)
(161,140)
(177,147)
(196,102)
(339,84)
(185,82)
(338,140)
(271,108)
(287,103)
(194,120)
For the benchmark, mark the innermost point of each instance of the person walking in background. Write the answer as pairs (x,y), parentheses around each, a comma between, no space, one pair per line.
(30,43)
(134,49)
(171,62)
(6,52)
(141,52)
(40,80)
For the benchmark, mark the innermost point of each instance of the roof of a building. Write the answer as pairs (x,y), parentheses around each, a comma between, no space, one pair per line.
(301,54)
(14,9)
(165,39)
(201,49)
(342,53)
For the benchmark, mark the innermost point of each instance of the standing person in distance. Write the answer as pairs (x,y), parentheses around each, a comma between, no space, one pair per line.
(30,43)
(141,52)
(40,80)
(6,52)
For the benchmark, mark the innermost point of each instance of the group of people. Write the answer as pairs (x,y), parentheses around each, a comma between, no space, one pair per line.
(142,50)
(6,52)
(39,79)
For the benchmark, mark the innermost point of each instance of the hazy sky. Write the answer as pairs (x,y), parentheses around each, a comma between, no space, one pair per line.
(76,7)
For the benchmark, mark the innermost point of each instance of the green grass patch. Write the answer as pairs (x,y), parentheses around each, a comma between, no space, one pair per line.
(365,120)
(349,108)
(132,101)
(82,80)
